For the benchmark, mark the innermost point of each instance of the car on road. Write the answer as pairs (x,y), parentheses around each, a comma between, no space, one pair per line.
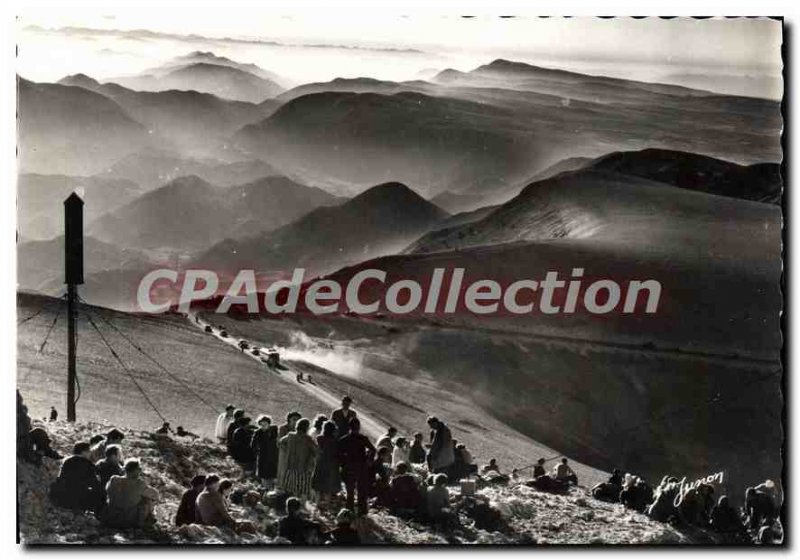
(208,328)
(256,352)
(243,345)
(223,334)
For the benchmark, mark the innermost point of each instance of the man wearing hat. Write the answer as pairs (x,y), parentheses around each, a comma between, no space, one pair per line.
(342,417)
(223,421)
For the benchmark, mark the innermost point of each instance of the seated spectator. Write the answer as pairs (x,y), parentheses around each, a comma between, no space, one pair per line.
(643,495)
(608,492)
(564,472)
(416,454)
(180,432)
(547,483)
(401,451)
(404,492)
(211,505)
(294,527)
(164,430)
(463,465)
(343,534)
(381,475)
(616,478)
(759,508)
(538,469)
(77,486)
(99,444)
(24,450)
(438,498)
(386,440)
(187,509)
(40,446)
(725,519)
(130,501)
(491,467)
(689,507)
(663,506)
(108,467)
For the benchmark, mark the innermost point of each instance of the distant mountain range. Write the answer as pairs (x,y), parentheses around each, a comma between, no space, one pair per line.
(208,73)
(508,154)
(486,132)
(186,119)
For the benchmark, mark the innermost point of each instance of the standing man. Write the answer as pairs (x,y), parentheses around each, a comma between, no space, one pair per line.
(223,421)
(342,417)
(441,454)
(355,454)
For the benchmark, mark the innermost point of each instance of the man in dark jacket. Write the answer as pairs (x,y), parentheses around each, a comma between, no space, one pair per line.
(40,446)
(297,528)
(355,453)
(342,416)
(725,519)
(538,469)
(108,467)
(416,455)
(187,509)
(238,414)
(77,486)
(404,492)
(241,451)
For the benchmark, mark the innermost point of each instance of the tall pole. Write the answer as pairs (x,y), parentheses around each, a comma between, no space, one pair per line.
(71,371)
(73,275)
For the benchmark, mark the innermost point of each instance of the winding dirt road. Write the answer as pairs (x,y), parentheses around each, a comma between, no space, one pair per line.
(369,425)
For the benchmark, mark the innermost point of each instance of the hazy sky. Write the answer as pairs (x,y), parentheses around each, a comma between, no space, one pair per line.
(730,55)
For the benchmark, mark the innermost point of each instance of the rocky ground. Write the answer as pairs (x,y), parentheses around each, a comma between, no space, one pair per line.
(515,515)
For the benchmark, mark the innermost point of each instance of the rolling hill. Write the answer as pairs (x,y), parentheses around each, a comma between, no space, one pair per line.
(629,198)
(40,198)
(153,168)
(189,213)
(761,182)
(379,221)
(187,119)
(40,264)
(348,141)
(72,131)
